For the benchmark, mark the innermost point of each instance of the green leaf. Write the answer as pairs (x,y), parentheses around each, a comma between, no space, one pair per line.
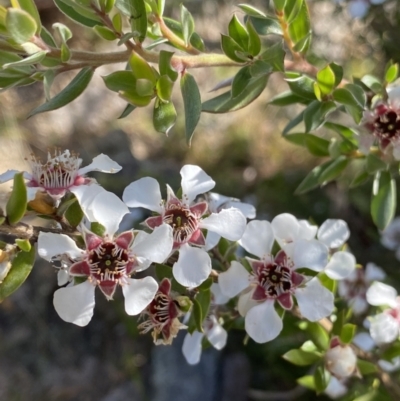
(392,352)
(254,47)
(307,381)
(347,333)
(21,266)
(392,72)
(383,204)
(241,81)
(164,116)
(224,102)
(259,68)
(316,145)
(252,11)
(301,358)
(16,205)
(366,368)
(231,49)
(312,180)
(348,134)
(338,71)
(328,282)
(298,18)
(128,110)
(73,14)
(65,53)
(286,98)
(74,214)
(187,24)
(120,81)
(353,98)
(293,123)
(138,17)
(333,170)
(266,26)
(23,244)
(141,69)
(191,103)
(64,31)
(165,65)
(144,87)
(315,114)
(33,59)
(134,98)
(160,7)
(301,85)
(20,25)
(318,335)
(105,33)
(164,88)
(238,33)
(374,164)
(321,379)
(117,22)
(359,179)
(275,55)
(372,82)
(68,94)
(30,7)
(47,37)
(196,318)
(97,229)
(206,285)
(326,80)
(163,271)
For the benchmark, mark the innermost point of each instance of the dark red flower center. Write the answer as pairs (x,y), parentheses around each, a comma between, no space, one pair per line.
(108,262)
(387,124)
(275,279)
(182,220)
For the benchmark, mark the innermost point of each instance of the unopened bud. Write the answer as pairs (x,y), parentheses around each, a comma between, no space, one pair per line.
(341,361)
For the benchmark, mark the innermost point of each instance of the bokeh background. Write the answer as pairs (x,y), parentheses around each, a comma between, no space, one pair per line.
(44,358)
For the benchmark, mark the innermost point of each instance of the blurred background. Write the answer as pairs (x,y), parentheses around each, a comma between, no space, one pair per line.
(44,358)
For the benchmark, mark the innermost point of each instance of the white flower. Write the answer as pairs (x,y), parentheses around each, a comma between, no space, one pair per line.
(106,262)
(385,326)
(391,237)
(341,360)
(213,331)
(335,388)
(354,288)
(275,278)
(61,173)
(194,264)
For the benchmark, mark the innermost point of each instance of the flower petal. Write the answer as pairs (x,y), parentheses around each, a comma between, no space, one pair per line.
(234,280)
(307,230)
(8,175)
(381,294)
(156,246)
(384,328)
(312,254)
(212,240)
(262,322)
(341,265)
(75,304)
(50,245)
(258,238)
(193,266)
(228,223)
(246,302)
(286,228)
(138,293)
(192,347)
(108,210)
(335,388)
(144,193)
(85,195)
(374,272)
(314,300)
(101,163)
(217,335)
(334,233)
(364,341)
(218,298)
(194,182)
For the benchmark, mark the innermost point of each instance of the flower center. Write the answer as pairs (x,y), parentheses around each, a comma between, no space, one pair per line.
(275,279)
(182,221)
(108,262)
(387,125)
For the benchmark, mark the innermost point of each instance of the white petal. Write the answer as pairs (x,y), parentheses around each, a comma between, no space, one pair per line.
(193,266)
(218,297)
(374,272)
(396,150)
(234,280)
(364,341)
(50,245)
(246,302)
(314,300)
(8,175)
(307,230)
(286,228)
(390,366)
(341,265)
(381,294)
(262,322)
(312,254)
(192,347)
(334,233)
(390,236)
(157,246)
(75,304)
(365,141)
(62,277)
(31,193)
(212,240)
(384,328)
(359,305)
(194,182)
(229,223)
(85,195)
(138,294)
(258,238)
(108,210)
(335,388)
(358,8)
(101,163)
(144,193)
(217,335)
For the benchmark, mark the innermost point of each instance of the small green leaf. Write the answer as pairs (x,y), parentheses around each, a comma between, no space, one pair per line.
(326,80)
(196,318)
(64,31)
(328,282)
(164,116)
(301,358)
(293,123)
(231,49)
(383,205)
(128,110)
(321,379)
(334,169)
(286,98)
(266,26)
(65,53)
(191,103)
(347,333)
(141,69)
(20,25)
(301,85)
(30,7)
(187,24)
(164,88)
(312,181)
(120,81)
(392,352)
(16,205)
(259,68)
(163,271)
(372,82)
(275,55)
(74,214)
(254,47)
(317,146)
(160,7)
(315,114)
(21,266)
(241,81)
(23,244)
(307,381)
(338,71)
(76,16)
(206,285)
(359,179)
(165,65)
(374,164)
(348,134)
(105,33)
(33,59)
(392,72)
(144,87)
(366,368)
(238,33)
(97,229)
(318,335)
(252,11)
(68,94)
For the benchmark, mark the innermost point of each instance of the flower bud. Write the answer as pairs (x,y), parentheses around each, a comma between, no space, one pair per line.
(341,360)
